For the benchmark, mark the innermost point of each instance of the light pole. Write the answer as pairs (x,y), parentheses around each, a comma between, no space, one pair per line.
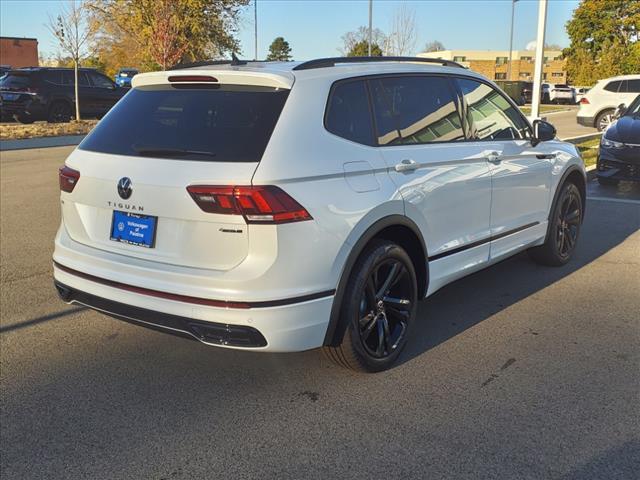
(513,9)
(255,29)
(370,24)
(537,76)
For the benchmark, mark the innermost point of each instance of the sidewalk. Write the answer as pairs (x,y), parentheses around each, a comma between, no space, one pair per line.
(40,142)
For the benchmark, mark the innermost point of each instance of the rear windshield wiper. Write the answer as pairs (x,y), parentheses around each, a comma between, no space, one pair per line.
(170,152)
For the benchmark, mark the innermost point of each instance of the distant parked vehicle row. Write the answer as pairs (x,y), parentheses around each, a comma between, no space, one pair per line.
(32,94)
(599,104)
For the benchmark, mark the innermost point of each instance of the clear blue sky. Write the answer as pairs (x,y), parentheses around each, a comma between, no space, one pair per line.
(314,27)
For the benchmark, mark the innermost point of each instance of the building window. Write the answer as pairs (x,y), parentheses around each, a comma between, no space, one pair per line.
(501,60)
(524,75)
(545,59)
(557,74)
(501,76)
(544,76)
(459,59)
(526,59)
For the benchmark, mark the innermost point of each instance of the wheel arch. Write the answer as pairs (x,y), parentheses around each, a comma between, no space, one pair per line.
(575,175)
(397,228)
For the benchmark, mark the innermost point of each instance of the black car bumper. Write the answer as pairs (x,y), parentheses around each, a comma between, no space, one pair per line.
(25,105)
(615,168)
(206,332)
(586,121)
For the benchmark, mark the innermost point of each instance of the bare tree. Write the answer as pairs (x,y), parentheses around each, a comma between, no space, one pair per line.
(72,31)
(435,46)
(404,32)
(351,39)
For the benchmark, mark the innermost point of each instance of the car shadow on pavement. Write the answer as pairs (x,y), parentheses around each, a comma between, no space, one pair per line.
(618,463)
(468,301)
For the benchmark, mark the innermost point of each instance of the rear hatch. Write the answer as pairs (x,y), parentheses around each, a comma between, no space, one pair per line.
(131,197)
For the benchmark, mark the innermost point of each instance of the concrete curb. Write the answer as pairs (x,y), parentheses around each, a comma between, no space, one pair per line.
(40,142)
(582,138)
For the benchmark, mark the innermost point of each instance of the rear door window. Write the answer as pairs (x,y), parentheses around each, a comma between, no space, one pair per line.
(68,78)
(492,116)
(15,81)
(633,86)
(415,110)
(348,114)
(100,81)
(53,76)
(221,123)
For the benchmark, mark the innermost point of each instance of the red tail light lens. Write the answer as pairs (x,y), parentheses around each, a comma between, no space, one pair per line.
(584,101)
(68,178)
(258,204)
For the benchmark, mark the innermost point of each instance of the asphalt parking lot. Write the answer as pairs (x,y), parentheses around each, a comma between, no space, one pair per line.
(517,372)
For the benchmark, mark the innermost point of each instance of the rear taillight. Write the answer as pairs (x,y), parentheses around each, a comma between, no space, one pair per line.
(258,204)
(584,101)
(68,178)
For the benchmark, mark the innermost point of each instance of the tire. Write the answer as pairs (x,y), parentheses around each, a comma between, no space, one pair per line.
(608,182)
(603,120)
(59,112)
(24,119)
(379,304)
(564,229)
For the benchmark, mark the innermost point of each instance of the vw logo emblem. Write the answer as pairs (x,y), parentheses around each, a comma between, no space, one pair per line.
(124,187)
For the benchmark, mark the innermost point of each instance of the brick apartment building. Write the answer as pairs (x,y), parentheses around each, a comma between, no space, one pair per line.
(19,52)
(493,63)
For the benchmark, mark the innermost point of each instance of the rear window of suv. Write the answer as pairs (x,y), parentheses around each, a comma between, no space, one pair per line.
(221,123)
(15,80)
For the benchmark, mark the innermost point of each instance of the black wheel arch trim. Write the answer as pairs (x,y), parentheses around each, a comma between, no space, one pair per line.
(337,326)
(570,170)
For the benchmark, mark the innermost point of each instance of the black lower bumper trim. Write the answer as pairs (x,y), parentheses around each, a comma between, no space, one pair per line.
(206,332)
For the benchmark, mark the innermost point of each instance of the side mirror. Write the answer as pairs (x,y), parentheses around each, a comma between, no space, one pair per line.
(542,132)
(620,111)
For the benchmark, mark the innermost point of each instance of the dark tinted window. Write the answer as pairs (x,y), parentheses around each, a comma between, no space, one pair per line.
(613,86)
(630,86)
(415,110)
(348,114)
(100,81)
(228,123)
(493,117)
(68,77)
(53,76)
(15,80)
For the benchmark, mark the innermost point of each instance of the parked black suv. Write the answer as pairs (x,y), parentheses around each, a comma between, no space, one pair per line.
(30,94)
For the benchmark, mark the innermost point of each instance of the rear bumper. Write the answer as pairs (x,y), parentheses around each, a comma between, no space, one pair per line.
(586,121)
(289,327)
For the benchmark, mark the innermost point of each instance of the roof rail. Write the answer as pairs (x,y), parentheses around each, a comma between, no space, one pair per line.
(235,61)
(333,61)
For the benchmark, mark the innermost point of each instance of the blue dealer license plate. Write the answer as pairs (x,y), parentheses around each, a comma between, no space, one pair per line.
(134,229)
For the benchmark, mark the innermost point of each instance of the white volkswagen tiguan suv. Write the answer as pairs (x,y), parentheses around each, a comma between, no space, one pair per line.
(283,207)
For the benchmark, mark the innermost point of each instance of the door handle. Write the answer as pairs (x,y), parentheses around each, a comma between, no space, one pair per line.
(407,165)
(493,157)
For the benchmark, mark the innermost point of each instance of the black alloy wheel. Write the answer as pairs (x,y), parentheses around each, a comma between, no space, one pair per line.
(568,223)
(378,309)
(385,308)
(565,222)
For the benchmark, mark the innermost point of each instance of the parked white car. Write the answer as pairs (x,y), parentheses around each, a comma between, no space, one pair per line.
(557,93)
(289,206)
(579,93)
(600,103)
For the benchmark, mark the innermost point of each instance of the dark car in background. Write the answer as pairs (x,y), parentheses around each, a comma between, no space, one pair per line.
(124,76)
(619,155)
(31,94)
